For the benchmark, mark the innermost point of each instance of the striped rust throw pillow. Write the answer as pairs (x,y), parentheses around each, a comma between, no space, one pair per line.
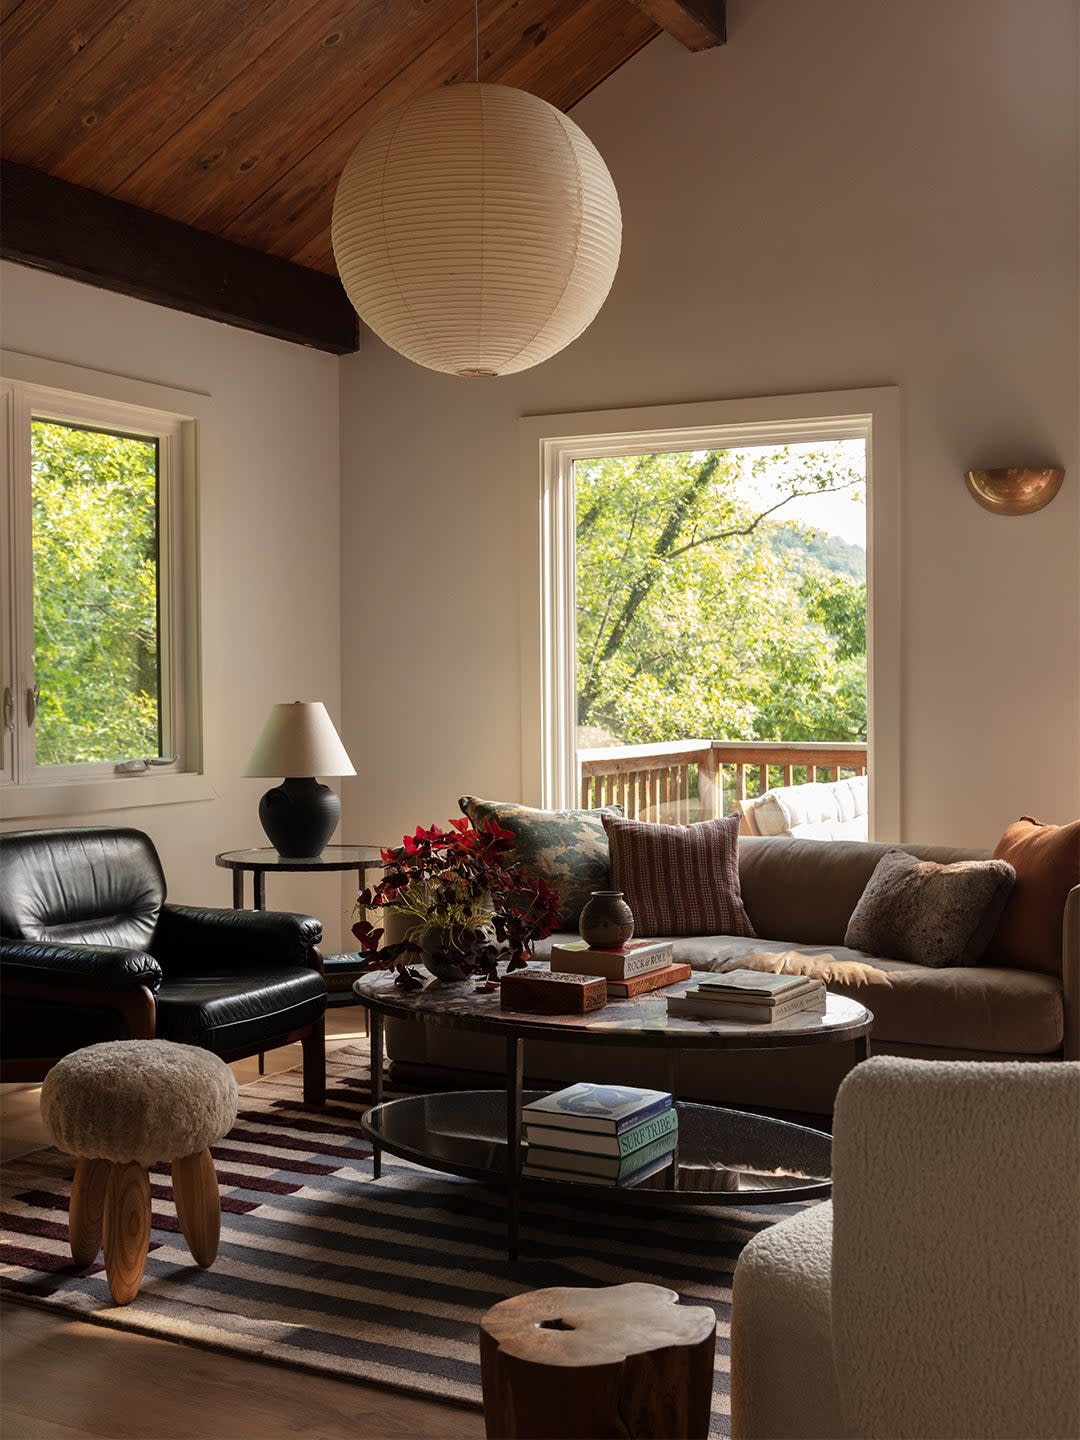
(679,879)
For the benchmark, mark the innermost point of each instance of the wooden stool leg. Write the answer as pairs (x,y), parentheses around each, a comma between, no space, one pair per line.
(86,1210)
(198,1205)
(127,1230)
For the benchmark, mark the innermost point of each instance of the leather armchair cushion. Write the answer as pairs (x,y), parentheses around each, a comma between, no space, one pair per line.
(93,886)
(191,940)
(238,1011)
(86,967)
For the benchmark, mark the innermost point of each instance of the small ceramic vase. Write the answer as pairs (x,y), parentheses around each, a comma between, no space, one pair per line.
(443,960)
(606,920)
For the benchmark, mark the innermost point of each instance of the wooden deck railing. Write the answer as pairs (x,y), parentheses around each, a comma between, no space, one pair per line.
(702,779)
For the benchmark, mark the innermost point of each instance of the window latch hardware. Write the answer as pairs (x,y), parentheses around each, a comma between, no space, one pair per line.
(33,698)
(9,709)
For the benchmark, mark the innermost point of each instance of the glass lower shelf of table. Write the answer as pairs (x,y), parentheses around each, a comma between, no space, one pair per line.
(723,1157)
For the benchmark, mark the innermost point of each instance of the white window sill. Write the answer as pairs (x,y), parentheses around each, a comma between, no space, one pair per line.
(86,797)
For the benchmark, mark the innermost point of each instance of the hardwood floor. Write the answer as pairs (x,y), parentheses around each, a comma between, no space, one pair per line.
(65,1378)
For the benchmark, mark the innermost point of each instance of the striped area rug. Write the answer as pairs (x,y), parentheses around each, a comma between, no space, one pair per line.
(323,1269)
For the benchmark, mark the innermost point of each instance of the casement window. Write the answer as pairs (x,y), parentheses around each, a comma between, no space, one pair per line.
(97,644)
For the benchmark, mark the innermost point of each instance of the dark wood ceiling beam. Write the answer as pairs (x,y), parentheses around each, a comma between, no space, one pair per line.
(62,228)
(697,24)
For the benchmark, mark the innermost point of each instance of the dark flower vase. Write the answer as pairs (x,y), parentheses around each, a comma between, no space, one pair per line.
(606,921)
(444,961)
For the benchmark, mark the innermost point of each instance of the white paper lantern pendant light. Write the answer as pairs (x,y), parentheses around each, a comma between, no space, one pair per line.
(476,229)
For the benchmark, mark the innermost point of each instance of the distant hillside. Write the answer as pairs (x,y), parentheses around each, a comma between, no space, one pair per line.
(793,540)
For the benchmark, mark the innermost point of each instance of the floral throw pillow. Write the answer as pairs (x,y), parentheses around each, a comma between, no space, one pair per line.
(567,848)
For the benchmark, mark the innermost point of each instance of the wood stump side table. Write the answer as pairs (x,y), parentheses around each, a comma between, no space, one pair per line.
(623,1362)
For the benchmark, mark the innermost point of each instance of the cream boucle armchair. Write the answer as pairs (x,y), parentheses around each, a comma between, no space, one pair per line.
(938,1293)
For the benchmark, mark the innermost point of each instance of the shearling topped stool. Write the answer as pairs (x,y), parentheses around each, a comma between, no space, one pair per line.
(121,1107)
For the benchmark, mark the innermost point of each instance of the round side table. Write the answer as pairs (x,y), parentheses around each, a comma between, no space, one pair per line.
(265,858)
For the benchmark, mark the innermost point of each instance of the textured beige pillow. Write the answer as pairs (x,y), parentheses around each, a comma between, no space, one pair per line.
(930,914)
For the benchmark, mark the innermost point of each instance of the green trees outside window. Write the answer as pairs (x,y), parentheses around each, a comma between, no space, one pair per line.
(95,594)
(705,612)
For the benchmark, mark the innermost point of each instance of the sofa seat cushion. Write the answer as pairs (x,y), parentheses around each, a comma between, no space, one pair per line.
(969,1007)
(984,1008)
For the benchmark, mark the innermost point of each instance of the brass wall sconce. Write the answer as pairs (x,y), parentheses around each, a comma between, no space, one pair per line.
(1014,491)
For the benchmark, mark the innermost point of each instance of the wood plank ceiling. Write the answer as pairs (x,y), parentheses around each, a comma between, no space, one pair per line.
(235,117)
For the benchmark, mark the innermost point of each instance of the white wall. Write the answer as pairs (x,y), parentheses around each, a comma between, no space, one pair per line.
(850,193)
(269,554)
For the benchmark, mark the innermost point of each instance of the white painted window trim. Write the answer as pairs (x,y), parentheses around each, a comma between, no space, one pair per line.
(551,445)
(32,384)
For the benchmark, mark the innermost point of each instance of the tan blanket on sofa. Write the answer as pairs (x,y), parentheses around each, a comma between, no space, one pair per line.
(825,967)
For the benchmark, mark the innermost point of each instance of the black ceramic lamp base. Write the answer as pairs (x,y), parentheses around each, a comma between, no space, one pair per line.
(299,816)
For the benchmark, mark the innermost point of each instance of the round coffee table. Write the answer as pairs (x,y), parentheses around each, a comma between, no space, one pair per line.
(724,1156)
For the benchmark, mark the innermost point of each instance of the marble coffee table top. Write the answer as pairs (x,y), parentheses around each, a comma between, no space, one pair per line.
(639,1020)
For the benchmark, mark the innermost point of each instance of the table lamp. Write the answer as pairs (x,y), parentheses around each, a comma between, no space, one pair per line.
(299,742)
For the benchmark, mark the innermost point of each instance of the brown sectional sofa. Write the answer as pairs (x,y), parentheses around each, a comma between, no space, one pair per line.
(799,894)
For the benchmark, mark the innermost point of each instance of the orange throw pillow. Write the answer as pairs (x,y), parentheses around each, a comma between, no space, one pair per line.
(1046,859)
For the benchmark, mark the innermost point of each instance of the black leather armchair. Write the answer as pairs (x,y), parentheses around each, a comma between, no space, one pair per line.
(90,950)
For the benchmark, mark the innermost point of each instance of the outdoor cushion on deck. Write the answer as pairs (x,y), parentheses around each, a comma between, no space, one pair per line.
(835,810)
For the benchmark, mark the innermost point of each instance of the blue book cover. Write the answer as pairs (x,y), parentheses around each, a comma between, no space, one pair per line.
(602,1109)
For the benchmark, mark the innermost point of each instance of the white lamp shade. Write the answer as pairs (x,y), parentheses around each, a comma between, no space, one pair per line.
(299,739)
(476,229)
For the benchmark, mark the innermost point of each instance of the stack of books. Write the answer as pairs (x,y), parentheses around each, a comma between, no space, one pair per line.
(631,969)
(600,1134)
(751,996)
(341,970)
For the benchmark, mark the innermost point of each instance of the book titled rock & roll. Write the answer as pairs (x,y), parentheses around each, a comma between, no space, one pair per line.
(636,957)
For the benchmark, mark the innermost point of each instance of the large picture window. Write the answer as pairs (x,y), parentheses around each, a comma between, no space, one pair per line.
(94,652)
(714,606)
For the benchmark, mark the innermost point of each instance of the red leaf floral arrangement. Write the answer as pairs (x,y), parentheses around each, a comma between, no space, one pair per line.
(466,894)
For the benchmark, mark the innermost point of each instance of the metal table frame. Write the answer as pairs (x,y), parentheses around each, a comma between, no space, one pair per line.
(239,861)
(379,1007)
(327,863)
